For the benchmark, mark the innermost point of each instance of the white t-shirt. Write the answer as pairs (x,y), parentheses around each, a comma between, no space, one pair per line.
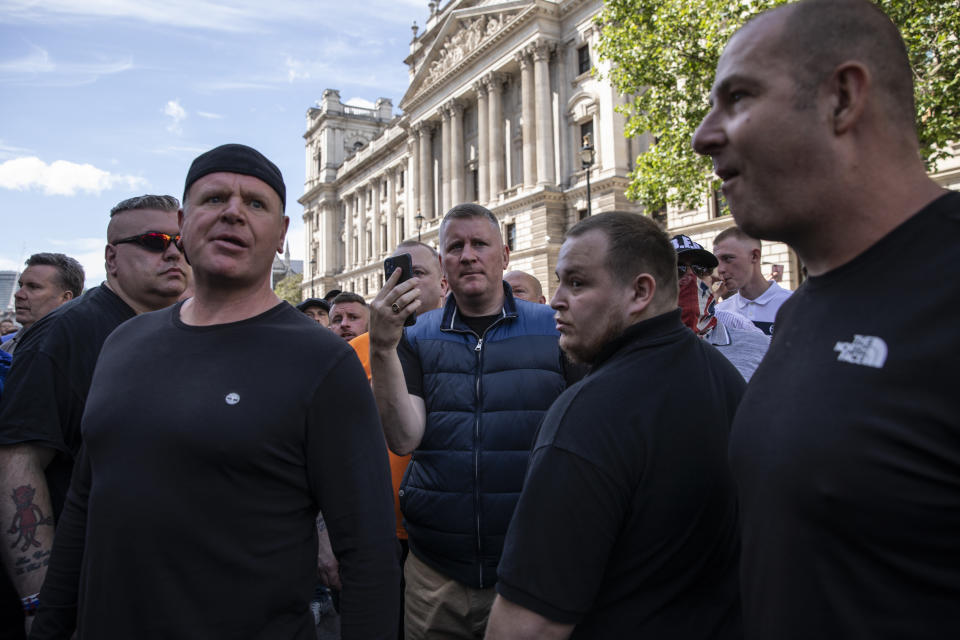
(762,310)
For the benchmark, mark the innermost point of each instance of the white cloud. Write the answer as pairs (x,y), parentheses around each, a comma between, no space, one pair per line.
(61,177)
(209,116)
(8,151)
(39,66)
(177,114)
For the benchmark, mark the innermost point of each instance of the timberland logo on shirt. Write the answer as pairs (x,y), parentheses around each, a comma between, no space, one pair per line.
(232,398)
(870,351)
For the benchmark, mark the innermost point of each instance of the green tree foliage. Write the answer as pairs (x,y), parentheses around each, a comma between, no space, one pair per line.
(664,54)
(289,289)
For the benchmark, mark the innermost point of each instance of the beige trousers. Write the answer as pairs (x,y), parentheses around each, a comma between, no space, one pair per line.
(438,608)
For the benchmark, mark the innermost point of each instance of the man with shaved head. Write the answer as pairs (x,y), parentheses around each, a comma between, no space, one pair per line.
(525,286)
(47,386)
(192,511)
(845,446)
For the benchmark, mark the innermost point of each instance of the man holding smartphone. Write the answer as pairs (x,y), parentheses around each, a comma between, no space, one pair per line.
(463,390)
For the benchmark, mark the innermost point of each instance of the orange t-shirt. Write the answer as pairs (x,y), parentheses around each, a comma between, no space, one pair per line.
(398,464)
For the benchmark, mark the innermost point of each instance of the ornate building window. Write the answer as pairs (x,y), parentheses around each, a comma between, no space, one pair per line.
(583,59)
(511,233)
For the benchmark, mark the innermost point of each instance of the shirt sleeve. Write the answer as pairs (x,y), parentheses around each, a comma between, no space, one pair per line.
(412,371)
(349,475)
(57,615)
(36,398)
(561,535)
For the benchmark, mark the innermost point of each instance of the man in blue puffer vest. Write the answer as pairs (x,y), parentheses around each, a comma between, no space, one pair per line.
(464,390)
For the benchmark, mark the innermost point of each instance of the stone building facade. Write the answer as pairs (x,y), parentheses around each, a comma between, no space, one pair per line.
(499,101)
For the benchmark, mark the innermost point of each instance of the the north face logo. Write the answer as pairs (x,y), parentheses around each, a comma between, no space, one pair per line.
(870,351)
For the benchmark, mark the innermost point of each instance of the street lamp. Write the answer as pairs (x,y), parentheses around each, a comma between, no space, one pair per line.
(586,161)
(419,218)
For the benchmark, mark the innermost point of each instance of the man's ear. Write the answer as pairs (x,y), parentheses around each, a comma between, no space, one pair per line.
(849,90)
(506,256)
(643,288)
(67,295)
(283,236)
(110,259)
(755,255)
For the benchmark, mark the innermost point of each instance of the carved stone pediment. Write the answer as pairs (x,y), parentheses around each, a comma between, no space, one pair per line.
(464,40)
(464,33)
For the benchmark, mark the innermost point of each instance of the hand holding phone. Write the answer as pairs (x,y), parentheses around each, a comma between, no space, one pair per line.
(405,262)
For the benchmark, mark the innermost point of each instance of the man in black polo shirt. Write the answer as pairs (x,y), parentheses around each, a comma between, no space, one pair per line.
(627,524)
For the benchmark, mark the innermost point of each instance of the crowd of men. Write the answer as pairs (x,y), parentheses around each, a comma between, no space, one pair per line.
(456,458)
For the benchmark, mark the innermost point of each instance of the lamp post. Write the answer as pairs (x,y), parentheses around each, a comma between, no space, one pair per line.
(419,218)
(586,162)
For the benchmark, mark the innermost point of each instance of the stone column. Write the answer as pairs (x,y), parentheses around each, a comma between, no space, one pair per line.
(497,146)
(362,224)
(413,178)
(425,129)
(376,217)
(329,238)
(456,152)
(529,116)
(541,80)
(444,203)
(348,232)
(392,209)
(483,181)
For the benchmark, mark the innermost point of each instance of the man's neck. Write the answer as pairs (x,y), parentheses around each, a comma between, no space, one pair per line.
(755,288)
(868,216)
(138,306)
(475,308)
(215,305)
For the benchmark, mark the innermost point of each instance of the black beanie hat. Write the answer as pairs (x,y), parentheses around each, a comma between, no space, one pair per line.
(237,158)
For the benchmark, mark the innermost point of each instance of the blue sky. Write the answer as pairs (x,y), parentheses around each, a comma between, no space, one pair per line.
(101,100)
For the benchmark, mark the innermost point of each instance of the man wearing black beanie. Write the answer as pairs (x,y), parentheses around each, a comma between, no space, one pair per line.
(192,513)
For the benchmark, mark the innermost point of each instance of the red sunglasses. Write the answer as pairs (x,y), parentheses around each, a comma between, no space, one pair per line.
(153,241)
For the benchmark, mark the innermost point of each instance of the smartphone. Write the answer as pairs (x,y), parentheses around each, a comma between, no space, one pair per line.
(405,262)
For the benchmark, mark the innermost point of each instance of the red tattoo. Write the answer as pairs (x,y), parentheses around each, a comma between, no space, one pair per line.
(27,518)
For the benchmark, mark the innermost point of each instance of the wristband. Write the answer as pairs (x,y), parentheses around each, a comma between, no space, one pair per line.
(30,604)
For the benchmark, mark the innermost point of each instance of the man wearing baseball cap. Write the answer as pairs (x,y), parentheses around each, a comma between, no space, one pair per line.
(316,309)
(742,343)
(192,511)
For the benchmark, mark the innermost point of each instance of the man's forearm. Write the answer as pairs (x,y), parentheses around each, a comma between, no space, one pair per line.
(509,621)
(403,418)
(26,515)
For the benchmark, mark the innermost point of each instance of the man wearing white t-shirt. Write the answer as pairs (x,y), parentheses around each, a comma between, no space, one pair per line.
(755,297)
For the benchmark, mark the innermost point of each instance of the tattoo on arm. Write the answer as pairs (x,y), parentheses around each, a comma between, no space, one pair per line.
(321,525)
(27,518)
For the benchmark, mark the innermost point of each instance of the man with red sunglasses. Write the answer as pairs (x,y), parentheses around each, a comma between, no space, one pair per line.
(192,512)
(47,387)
